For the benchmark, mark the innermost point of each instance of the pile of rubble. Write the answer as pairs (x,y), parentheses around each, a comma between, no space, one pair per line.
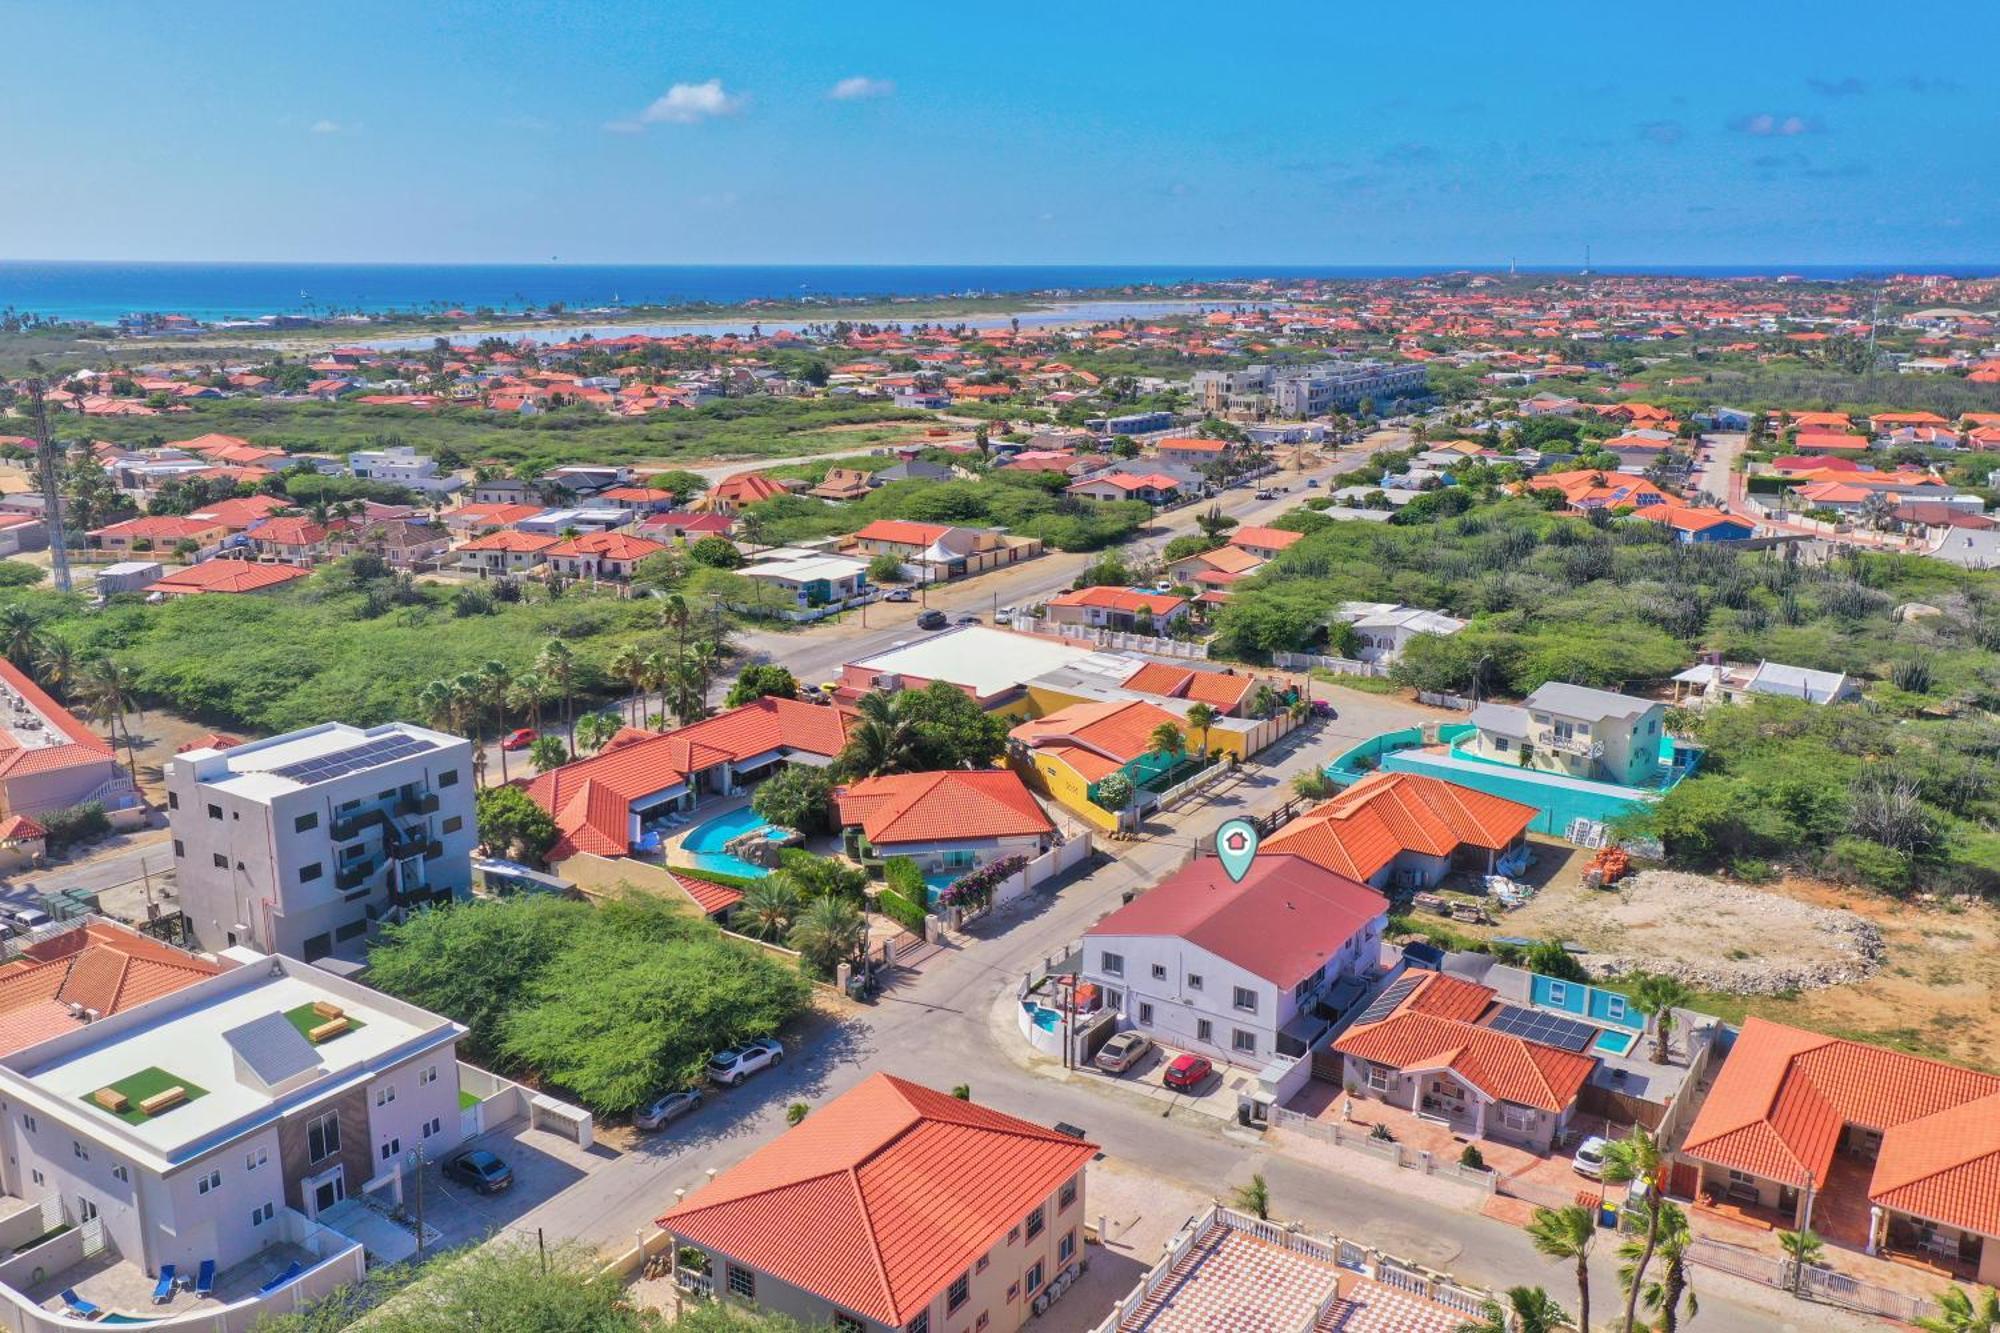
(1737,939)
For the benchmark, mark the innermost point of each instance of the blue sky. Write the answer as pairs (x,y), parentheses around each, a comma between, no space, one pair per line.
(1271,133)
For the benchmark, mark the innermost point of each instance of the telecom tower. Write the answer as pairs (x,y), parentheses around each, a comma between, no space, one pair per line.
(49,468)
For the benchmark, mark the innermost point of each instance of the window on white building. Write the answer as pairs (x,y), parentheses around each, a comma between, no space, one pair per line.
(253,1160)
(1204,1030)
(1194,981)
(391,1148)
(1378,1078)
(1113,964)
(1246,999)
(1243,1041)
(1145,1014)
(385,1094)
(211,1181)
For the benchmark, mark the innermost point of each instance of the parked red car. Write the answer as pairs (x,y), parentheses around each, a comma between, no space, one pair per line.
(1187,1072)
(521,739)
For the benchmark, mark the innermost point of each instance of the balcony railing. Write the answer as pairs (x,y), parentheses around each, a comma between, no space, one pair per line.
(353,876)
(426,804)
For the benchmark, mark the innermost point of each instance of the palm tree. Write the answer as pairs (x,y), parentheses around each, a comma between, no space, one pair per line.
(546,753)
(1201,717)
(558,663)
(1526,1310)
(530,692)
(595,730)
(1628,1161)
(20,635)
(1253,1198)
(439,706)
(57,665)
(768,909)
(1264,701)
(1960,1312)
(1657,997)
(107,690)
(1567,1233)
(500,697)
(1802,1248)
(629,665)
(659,669)
(1673,1291)
(1166,739)
(884,738)
(828,933)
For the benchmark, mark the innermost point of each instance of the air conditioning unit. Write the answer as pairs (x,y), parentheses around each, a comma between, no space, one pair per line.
(1041,1303)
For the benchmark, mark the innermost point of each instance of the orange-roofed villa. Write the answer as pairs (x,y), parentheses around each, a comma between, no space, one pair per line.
(1876,1150)
(949,822)
(894,1207)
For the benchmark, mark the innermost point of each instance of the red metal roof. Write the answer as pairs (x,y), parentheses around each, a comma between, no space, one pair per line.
(879,1199)
(1282,922)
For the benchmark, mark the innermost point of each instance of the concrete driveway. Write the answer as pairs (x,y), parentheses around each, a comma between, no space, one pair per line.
(545,1164)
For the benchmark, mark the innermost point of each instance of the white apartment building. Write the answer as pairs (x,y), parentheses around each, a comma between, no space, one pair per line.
(297,1090)
(300,843)
(1236,971)
(404,466)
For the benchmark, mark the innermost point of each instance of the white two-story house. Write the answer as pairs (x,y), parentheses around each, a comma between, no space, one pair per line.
(200,1126)
(1235,971)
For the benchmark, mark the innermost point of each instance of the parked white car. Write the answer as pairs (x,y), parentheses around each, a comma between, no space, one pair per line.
(1589,1159)
(731,1067)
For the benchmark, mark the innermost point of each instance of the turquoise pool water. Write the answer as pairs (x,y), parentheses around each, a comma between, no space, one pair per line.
(935,884)
(1613,1042)
(129,1319)
(704,843)
(1048,1020)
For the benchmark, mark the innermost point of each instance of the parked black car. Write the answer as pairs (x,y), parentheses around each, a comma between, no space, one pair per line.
(480,1169)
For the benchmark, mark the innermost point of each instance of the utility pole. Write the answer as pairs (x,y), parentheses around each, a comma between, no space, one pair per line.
(49,468)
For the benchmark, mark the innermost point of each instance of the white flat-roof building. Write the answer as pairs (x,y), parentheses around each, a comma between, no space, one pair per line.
(991,665)
(1384,629)
(303,842)
(296,1090)
(402,465)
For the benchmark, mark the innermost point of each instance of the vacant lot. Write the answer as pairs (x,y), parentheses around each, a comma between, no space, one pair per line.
(1930,986)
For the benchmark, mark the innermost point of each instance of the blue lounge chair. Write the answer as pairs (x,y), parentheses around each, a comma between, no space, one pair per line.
(163,1290)
(78,1306)
(282,1278)
(204,1282)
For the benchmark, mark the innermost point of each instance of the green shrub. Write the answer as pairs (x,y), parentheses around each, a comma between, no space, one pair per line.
(904,876)
(77,823)
(901,910)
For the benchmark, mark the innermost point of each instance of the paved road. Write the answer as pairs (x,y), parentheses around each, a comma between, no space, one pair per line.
(1717,477)
(938,1029)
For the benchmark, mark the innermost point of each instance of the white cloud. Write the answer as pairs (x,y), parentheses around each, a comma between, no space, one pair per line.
(684,104)
(859,87)
(326,127)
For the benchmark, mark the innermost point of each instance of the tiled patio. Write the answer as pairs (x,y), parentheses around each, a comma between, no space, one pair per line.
(1371,1307)
(1233,1283)
(118,1286)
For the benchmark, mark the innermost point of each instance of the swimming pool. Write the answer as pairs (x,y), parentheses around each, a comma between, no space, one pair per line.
(1048,1020)
(937,882)
(704,842)
(1616,1041)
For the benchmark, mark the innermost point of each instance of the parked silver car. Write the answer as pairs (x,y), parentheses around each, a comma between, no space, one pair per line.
(1123,1051)
(670,1107)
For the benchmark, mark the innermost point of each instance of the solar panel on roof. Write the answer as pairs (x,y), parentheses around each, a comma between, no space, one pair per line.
(325,767)
(1385,1003)
(1538,1026)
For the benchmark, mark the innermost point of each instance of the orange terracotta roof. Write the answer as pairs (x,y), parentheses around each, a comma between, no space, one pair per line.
(591,799)
(1432,1032)
(1784,1095)
(226,576)
(508,539)
(608,546)
(1130,600)
(1120,731)
(942,807)
(880,1198)
(1219,689)
(709,896)
(1272,539)
(902,532)
(1376,820)
(99,966)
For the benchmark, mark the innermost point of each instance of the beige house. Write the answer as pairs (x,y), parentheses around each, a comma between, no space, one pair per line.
(893,1208)
(1576,732)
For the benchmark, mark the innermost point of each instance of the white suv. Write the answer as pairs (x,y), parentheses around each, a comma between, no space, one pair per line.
(731,1067)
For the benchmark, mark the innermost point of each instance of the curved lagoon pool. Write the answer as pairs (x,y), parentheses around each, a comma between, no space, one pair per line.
(705,841)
